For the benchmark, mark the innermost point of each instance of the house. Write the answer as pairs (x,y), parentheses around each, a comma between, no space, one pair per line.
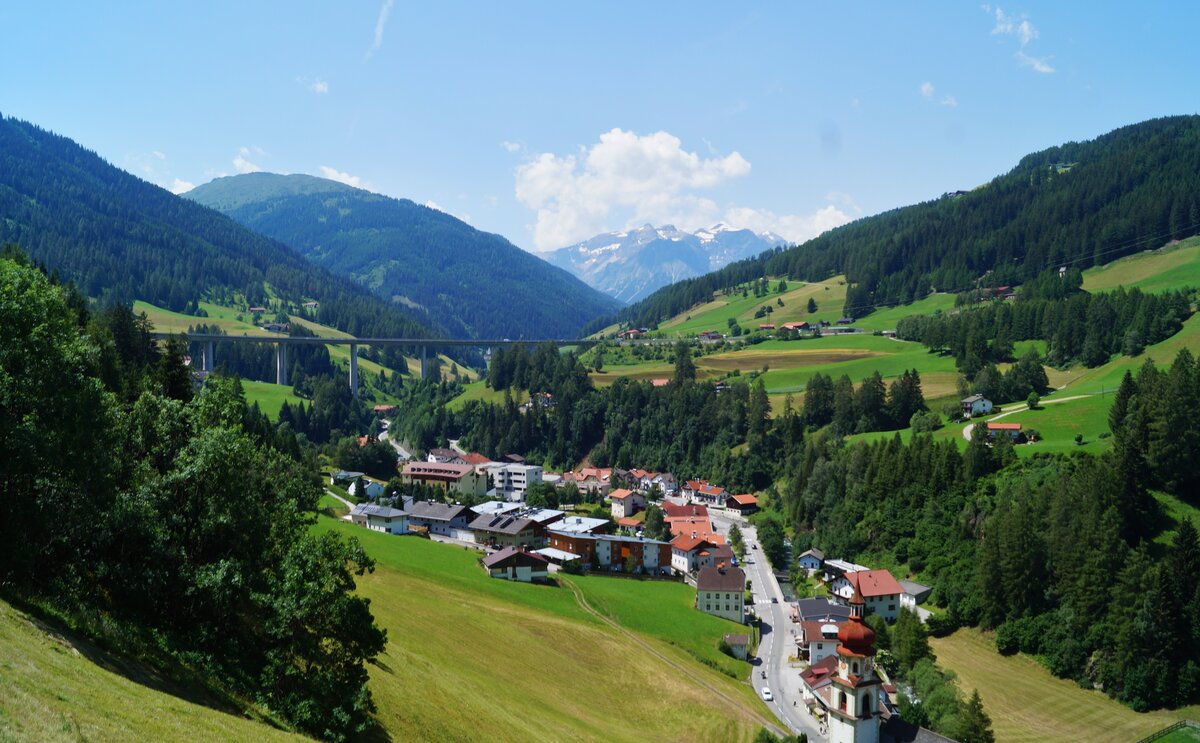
(475,459)
(374,488)
(495,507)
(507,530)
(737,645)
(629,525)
(913,594)
(511,481)
(745,504)
(615,552)
(817,640)
(384,411)
(879,590)
(721,592)
(659,382)
(819,610)
(513,459)
(344,476)
(542,516)
(379,518)
(816,680)
(690,553)
(311,305)
(700,491)
(258,309)
(976,405)
(514,563)
(644,481)
(835,569)
(444,456)
(276,327)
(629,335)
(710,336)
(812,559)
(845,321)
(456,478)
(1012,430)
(593,480)
(797,327)
(440,518)
(722,556)
(767,326)
(579,525)
(625,503)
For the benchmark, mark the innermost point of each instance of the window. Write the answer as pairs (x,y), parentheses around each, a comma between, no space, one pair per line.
(891,607)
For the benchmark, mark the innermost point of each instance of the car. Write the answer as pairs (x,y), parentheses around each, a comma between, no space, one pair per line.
(767,695)
(774,600)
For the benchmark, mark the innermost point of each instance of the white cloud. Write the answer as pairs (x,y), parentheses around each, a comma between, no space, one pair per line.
(337,175)
(1039,64)
(1024,30)
(624,176)
(319,86)
(950,101)
(510,146)
(380,23)
(927,89)
(434,205)
(159,154)
(181,186)
(242,165)
(795,227)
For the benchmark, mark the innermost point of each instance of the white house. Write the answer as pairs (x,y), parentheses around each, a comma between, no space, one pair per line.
(976,405)
(690,553)
(812,559)
(720,592)
(914,594)
(379,518)
(373,488)
(817,640)
(510,481)
(626,503)
(879,590)
(514,563)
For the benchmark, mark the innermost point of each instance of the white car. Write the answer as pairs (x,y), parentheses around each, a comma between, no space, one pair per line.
(767,695)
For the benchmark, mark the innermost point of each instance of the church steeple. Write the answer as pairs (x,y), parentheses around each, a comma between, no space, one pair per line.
(854,708)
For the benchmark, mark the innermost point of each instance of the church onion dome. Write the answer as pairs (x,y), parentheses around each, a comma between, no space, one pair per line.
(855,635)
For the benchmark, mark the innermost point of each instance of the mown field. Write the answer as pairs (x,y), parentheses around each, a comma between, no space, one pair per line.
(57,687)
(829,295)
(480,391)
(270,397)
(1172,267)
(1027,703)
(525,662)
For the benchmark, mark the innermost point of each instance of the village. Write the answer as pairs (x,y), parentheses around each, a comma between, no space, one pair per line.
(810,659)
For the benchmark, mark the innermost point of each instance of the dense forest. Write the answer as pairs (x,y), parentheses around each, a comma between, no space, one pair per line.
(119,238)
(170,526)
(1076,205)
(412,254)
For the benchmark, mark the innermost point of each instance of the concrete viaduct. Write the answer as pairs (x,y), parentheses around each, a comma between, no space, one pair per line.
(281,342)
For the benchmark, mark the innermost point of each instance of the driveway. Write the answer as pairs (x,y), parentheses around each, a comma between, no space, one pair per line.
(967,429)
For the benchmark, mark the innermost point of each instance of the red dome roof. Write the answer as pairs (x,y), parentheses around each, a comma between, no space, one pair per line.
(857,637)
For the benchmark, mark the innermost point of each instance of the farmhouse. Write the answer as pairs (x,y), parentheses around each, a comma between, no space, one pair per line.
(626,503)
(798,327)
(513,563)
(976,405)
(440,518)
(505,530)
(456,478)
(720,592)
(710,336)
(1012,430)
(745,504)
(812,559)
(880,592)
(379,518)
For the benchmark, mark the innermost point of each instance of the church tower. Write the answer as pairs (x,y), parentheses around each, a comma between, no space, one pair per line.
(854,706)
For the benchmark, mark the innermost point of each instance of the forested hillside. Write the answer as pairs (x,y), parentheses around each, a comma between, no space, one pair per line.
(1078,204)
(119,238)
(476,284)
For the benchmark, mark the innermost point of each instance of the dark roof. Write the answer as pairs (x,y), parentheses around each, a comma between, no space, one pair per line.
(514,556)
(896,730)
(973,398)
(815,553)
(501,524)
(912,588)
(818,609)
(432,511)
(445,453)
(370,509)
(721,579)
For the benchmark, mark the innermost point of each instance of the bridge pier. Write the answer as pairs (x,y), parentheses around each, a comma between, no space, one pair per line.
(281,368)
(209,358)
(354,370)
(424,362)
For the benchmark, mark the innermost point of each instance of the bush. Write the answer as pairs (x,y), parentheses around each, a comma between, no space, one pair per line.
(925,421)
(940,625)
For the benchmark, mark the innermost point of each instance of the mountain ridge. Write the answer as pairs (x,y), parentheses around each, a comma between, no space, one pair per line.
(412,255)
(631,264)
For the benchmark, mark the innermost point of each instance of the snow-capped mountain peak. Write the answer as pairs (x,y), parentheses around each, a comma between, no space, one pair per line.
(632,263)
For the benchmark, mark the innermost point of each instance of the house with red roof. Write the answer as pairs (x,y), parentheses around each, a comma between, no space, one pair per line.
(1012,430)
(879,589)
(745,504)
(690,552)
(817,640)
(625,503)
(701,491)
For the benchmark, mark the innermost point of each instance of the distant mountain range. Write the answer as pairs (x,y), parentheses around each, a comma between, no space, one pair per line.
(472,283)
(632,264)
(119,238)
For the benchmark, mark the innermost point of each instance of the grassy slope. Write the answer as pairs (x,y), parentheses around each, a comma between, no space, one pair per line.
(1173,267)
(55,687)
(830,296)
(480,391)
(523,662)
(270,397)
(1026,703)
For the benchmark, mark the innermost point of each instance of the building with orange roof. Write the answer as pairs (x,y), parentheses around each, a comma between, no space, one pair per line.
(879,589)
(625,503)
(745,504)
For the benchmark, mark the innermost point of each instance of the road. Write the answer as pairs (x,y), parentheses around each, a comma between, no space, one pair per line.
(777,642)
(400,450)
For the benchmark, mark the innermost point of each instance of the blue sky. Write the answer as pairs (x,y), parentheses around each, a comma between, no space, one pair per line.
(550,122)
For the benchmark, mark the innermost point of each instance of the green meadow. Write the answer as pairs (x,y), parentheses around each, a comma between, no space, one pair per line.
(1171,267)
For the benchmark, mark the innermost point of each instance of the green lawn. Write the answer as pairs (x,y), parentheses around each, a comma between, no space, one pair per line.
(1059,422)
(270,397)
(1174,267)
(829,295)
(55,686)
(526,662)
(1027,703)
(1183,735)
(664,610)
(480,391)
(886,317)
